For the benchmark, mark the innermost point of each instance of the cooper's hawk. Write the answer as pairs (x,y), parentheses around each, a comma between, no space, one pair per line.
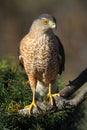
(42,55)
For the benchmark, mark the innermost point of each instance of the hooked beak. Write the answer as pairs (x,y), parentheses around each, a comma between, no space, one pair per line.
(52,24)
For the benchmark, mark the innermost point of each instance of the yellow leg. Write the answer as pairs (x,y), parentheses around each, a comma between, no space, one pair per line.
(33,104)
(50,95)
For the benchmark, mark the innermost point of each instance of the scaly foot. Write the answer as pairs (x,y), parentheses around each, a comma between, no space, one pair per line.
(33,104)
(51,97)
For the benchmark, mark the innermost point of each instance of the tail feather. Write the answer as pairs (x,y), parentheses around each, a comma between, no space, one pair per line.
(42,89)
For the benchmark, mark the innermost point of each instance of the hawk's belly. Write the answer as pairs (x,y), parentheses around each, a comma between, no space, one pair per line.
(46,69)
(43,66)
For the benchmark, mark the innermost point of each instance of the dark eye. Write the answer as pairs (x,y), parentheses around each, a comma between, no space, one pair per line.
(46,21)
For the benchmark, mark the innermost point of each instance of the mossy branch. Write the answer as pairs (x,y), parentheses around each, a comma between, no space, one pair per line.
(64,101)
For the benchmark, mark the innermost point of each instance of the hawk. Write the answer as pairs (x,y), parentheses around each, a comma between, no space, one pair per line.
(42,55)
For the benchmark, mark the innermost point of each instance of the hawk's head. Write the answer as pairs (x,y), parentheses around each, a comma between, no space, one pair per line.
(44,22)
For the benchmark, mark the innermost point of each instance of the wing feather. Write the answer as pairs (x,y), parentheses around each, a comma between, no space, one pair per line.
(61,56)
(21,61)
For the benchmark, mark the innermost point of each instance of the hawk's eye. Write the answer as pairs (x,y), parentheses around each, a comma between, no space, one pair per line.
(46,21)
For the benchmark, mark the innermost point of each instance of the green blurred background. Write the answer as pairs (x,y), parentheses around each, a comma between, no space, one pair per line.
(16,17)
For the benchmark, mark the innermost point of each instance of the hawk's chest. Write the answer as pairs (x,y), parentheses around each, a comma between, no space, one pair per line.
(43,49)
(41,53)
(45,53)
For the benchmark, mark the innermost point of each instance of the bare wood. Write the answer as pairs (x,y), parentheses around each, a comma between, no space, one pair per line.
(74,85)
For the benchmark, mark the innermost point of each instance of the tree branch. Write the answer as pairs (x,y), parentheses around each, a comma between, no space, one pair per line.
(74,85)
(63,102)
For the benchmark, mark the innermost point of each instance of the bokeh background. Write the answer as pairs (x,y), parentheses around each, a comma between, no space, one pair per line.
(16,17)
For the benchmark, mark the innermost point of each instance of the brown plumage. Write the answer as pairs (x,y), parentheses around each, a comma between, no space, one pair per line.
(42,55)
